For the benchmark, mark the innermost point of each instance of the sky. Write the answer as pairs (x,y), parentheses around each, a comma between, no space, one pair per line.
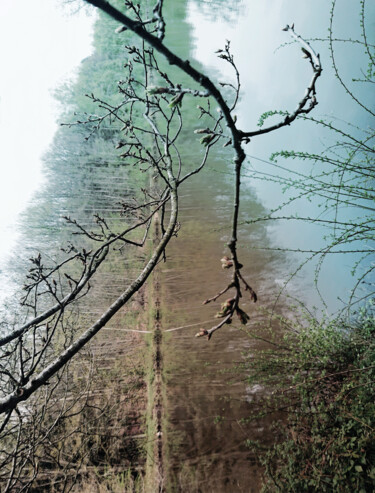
(41,43)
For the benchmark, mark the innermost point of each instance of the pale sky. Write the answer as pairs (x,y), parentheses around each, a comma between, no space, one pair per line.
(41,44)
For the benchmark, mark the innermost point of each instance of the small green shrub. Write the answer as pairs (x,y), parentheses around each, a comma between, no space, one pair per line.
(328,440)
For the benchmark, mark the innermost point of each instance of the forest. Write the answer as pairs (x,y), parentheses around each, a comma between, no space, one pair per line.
(194,303)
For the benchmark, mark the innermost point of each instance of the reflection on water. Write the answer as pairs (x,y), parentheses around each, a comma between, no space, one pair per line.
(206,401)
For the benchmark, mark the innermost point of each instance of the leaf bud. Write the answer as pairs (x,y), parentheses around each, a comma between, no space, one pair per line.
(121,29)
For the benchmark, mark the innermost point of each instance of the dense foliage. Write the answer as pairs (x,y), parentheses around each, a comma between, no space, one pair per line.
(326,384)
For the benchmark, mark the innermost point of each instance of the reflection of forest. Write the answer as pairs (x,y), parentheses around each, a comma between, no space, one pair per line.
(220,9)
(104,435)
(205,395)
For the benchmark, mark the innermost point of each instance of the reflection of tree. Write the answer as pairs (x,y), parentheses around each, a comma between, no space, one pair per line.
(220,9)
(49,328)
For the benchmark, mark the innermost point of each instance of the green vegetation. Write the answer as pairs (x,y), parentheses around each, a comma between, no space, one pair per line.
(323,377)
